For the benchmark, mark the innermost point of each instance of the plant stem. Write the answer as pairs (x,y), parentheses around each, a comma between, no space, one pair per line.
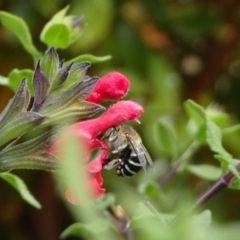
(184,157)
(213,190)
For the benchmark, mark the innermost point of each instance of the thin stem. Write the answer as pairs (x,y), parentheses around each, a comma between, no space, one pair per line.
(183,158)
(212,191)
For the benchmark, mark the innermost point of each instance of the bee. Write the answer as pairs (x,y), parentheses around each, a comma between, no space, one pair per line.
(126,144)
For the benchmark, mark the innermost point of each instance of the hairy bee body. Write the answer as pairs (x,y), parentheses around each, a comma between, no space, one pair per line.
(126,144)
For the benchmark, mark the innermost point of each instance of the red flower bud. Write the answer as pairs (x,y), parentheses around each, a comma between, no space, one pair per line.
(112,86)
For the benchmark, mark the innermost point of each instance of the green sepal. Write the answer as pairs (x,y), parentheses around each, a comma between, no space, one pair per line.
(32,154)
(76,74)
(19,125)
(47,162)
(41,86)
(37,145)
(16,105)
(60,78)
(83,110)
(50,63)
(80,92)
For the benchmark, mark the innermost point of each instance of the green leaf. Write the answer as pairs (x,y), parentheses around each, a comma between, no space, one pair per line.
(105,201)
(18,27)
(79,229)
(205,171)
(16,76)
(203,220)
(89,58)
(196,125)
(214,139)
(195,111)
(20,186)
(76,229)
(150,189)
(149,217)
(167,139)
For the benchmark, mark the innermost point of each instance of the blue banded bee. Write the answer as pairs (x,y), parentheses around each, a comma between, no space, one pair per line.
(126,144)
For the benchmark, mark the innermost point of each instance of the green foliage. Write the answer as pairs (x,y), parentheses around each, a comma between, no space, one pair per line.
(20,186)
(167,139)
(86,230)
(205,171)
(19,28)
(61,30)
(88,58)
(16,76)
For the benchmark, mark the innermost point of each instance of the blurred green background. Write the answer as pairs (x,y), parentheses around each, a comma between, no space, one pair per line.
(171,51)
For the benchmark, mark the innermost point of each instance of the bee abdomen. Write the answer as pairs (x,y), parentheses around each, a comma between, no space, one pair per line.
(129,167)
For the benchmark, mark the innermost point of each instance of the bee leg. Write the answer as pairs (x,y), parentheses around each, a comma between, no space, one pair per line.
(110,163)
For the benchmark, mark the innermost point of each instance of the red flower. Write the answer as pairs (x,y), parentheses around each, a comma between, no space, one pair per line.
(87,133)
(110,87)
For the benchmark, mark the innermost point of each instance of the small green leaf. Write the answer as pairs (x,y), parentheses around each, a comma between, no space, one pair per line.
(76,229)
(89,58)
(150,189)
(149,217)
(18,27)
(16,76)
(214,139)
(203,220)
(79,229)
(205,171)
(197,124)
(167,139)
(20,186)
(195,111)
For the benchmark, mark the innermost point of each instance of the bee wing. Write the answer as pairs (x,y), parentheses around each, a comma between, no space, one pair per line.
(141,152)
